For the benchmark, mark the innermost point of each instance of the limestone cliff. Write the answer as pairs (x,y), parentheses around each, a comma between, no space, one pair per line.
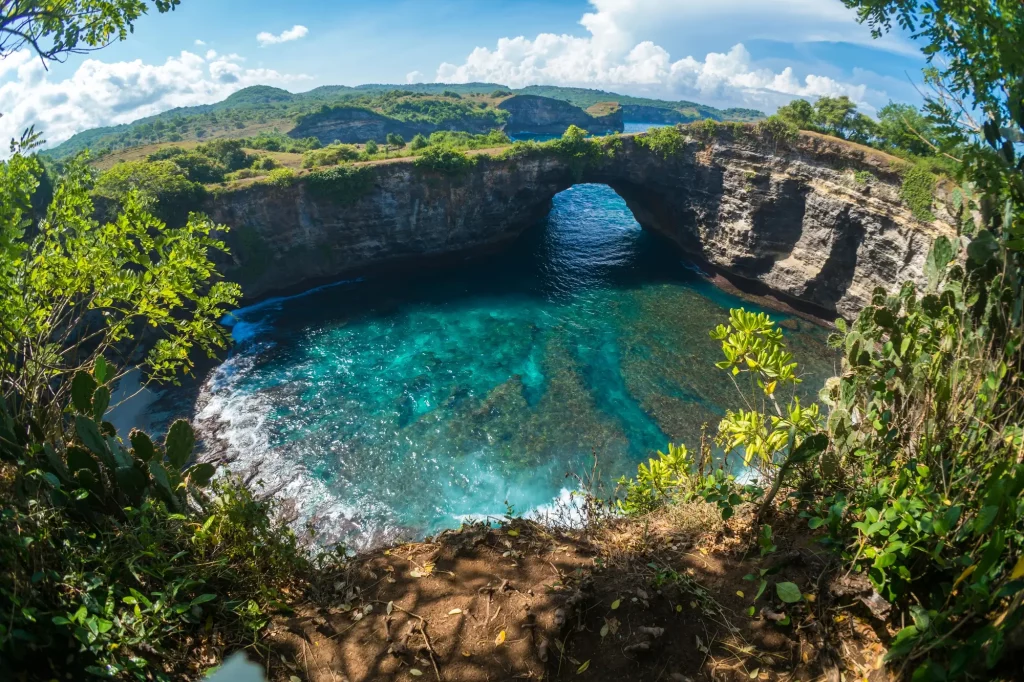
(806,221)
(544,115)
(354,125)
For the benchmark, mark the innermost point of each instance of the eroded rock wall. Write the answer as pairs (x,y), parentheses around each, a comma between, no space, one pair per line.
(806,222)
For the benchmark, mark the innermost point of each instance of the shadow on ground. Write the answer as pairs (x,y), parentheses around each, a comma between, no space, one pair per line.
(637,600)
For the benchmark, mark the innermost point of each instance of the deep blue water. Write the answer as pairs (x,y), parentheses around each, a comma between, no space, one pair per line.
(400,406)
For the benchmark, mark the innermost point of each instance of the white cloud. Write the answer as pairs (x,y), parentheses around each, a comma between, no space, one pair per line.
(200,43)
(414,77)
(211,54)
(102,94)
(617,52)
(294,33)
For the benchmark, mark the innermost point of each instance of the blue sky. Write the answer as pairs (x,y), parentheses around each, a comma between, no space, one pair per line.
(756,53)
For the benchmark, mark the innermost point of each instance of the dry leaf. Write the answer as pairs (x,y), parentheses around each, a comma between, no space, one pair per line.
(454,612)
(415,672)
(754,673)
(583,667)
(500,639)
(390,608)
(604,630)
(466,654)
(294,678)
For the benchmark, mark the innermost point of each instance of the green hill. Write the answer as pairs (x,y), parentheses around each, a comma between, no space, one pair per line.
(263,108)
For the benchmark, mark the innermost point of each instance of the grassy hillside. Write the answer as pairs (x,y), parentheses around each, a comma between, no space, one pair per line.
(263,108)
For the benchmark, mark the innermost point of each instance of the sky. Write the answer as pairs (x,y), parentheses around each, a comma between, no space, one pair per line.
(748,53)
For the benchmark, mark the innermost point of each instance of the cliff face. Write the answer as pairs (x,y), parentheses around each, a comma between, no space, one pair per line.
(645,114)
(354,125)
(543,115)
(799,222)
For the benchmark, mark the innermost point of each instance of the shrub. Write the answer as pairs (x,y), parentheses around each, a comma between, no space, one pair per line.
(665,142)
(264,163)
(445,160)
(330,155)
(163,183)
(418,142)
(918,192)
(343,184)
(776,131)
(138,553)
(228,152)
(281,177)
(199,167)
(370,147)
(244,174)
(166,153)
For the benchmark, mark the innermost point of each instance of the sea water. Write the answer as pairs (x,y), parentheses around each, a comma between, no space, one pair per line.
(396,406)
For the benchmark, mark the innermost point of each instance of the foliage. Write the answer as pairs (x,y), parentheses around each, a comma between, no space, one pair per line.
(395,140)
(56,30)
(463,140)
(330,155)
(116,560)
(666,142)
(228,152)
(418,142)
(281,177)
(445,160)
(917,191)
(343,184)
(370,147)
(265,163)
(278,142)
(578,149)
(902,126)
(199,167)
(162,183)
(81,289)
(776,131)
(799,113)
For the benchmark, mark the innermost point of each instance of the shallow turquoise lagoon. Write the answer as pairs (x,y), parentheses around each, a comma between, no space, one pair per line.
(403,405)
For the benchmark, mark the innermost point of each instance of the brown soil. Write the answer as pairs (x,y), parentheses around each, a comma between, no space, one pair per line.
(637,599)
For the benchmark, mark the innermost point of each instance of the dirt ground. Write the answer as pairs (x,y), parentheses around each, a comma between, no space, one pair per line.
(653,599)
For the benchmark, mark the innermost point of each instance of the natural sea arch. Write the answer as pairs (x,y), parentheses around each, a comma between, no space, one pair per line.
(795,221)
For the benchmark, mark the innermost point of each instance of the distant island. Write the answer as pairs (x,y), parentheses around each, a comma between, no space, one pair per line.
(338,113)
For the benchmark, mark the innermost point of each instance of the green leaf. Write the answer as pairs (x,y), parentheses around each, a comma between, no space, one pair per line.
(90,436)
(100,402)
(810,447)
(200,474)
(203,598)
(79,459)
(99,369)
(82,388)
(142,445)
(132,481)
(179,443)
(788,592)
(163,483)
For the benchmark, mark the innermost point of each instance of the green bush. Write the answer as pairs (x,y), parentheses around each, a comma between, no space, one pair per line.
(666,141)
(199,167)
(265,163)
(281,177)
(445,160)
(418,142)
(918,192)
(343,184)
(116,556)
(330,155)
(164,183)
(228,153)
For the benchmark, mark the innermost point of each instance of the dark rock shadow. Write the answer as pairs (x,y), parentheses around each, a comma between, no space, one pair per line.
(836,275)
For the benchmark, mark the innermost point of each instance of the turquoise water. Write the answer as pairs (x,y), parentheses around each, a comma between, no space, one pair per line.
(399,406)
